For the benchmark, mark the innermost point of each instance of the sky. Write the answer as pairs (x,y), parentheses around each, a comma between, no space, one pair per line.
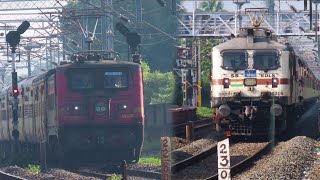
(230,6)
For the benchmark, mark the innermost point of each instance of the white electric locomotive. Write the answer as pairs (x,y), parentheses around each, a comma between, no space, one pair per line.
(258,85)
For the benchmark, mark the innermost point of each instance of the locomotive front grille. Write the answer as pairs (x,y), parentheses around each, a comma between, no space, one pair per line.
(240,129)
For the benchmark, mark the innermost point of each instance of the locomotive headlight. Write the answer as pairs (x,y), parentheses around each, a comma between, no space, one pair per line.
(123,106)
(275,82)
(276,109)
(226,82)
(76,108)
(250,82)
(224,110)
(100,107)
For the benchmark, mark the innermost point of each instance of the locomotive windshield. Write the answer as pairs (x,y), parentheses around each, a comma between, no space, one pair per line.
(98,79)
(115,80)
(265,61)
(234,60)
(82,80)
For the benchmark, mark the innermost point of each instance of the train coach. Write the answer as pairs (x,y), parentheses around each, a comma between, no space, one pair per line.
(258,85)
(87,108)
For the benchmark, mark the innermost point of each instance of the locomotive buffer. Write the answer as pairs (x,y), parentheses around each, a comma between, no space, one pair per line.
(13,38)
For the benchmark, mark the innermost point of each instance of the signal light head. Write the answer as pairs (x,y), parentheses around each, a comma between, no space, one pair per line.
(15,92)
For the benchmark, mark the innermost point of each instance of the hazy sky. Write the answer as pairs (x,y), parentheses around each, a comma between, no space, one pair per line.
(230,6)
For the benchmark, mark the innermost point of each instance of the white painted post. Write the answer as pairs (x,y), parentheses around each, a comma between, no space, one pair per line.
(223,160)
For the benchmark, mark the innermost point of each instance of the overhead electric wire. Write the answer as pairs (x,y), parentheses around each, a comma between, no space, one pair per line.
(158,29)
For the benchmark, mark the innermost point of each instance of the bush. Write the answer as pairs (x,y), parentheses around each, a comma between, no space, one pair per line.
(204,112)
(34,169)
(114,177)
(151,160)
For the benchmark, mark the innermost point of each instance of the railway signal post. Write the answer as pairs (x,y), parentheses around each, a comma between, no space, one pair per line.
(13,38)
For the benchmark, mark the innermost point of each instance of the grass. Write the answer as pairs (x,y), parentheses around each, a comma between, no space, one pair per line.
(114,177)
(34,169)
(204,112)
(150,160)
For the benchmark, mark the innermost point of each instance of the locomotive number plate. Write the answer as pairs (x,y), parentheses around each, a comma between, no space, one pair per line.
(249,73)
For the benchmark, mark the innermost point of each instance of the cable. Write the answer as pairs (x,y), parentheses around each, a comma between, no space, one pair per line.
(151,25)
(158,42)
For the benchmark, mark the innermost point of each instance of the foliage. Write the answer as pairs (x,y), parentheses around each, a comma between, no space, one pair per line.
(157,33)
(157,30)
(211,5)
(150,160)
(34,169)
(158,87)
(206,46)
(204,112)
(114,177)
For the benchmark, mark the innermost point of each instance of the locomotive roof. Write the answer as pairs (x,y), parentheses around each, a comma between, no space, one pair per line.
(244,43)
(103,62)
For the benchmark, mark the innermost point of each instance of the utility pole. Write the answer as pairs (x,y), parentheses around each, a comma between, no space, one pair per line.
(270,5)
(239,4)
(199,86)
(316,2)
(28,48)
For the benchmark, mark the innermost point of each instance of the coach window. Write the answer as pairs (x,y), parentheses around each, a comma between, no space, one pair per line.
(265,61)
(115,79)
(51,101)
(235,60)
(3,115)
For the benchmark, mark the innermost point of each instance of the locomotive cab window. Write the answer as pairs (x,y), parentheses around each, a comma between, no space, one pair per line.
(234,60)
(82,80)
(115,79)
(266,61)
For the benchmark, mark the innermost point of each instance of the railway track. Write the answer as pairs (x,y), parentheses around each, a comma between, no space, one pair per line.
(239,167)
(107,173)
(238,162)
(6,176)
(199,125)
(192,160)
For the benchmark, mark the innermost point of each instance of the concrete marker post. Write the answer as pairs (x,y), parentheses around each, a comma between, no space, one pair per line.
(165,158)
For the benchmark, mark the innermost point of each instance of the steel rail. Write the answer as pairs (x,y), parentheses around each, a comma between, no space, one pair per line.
(93,174)
(130,172)
(200,124)
(6,176)
(145,174)
(192,160)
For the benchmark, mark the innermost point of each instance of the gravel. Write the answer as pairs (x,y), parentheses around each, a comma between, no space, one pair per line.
(196,147)
(51,174)
(287,161)
(313,173)
(298,158)
(208,166)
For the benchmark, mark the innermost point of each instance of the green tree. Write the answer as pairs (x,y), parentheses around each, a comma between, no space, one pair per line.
(157,33)
(157,30)
(211,5)
(206,66)
(158,87)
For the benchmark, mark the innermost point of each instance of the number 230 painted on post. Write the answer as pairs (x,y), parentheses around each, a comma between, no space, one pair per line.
(223,160)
